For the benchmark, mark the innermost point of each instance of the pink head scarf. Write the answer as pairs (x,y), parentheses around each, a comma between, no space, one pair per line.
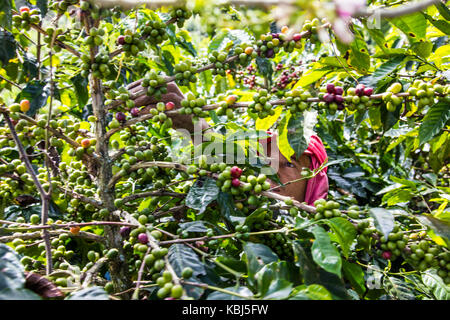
(317,187)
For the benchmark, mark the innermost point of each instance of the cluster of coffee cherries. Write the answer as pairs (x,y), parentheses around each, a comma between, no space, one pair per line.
(181,14)
(57,34)
(100,68)
(155,32)
(326,209)
(137,246)
(155,83)
(95,37)
(219,61)
(249,80)
(390,97)
(426,92)
(261,107)
(358,98)
(311,26)
(94,10)
(394,244)
(185,73)
(286,77)
(26,17)
(118,93)
(296,100)
(423,253)
(331,97)
(160,116)
(246,53)
(269,44)
(193,105)
(131,43)
(17,182)
(62,5)
(225,103)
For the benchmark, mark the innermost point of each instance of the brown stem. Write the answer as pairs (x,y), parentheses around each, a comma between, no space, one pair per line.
(44,196)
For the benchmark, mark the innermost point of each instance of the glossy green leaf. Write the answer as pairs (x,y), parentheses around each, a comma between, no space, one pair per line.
(201,194)
(434,121)
(383,219)
(91,293)
(345,233)
(324,253)
(440,290)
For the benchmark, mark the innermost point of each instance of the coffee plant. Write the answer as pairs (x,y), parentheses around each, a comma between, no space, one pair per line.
(106,190)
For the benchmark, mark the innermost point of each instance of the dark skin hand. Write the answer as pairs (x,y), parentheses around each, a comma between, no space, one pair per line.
(287,171)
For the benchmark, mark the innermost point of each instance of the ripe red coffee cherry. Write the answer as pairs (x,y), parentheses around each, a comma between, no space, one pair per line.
(338,99)
(235,182)
(142,238)
(330,88)
(329,97)
(124,231)
(120,116)
(23,9)
(368,91)
(170,105)
(386,255)
(338,91)
(85,143)
(359,90)
(297,37)
(134,112)
(236,172)
(121,40)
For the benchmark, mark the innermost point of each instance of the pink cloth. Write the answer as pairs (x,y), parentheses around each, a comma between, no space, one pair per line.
(317,187)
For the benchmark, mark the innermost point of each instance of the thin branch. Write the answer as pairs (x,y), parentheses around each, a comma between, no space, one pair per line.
(397,11)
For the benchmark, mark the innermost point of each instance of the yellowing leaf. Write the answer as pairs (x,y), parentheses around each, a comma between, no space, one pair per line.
(266,123)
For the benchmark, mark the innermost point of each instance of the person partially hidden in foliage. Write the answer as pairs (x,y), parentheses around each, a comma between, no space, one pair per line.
(315,155)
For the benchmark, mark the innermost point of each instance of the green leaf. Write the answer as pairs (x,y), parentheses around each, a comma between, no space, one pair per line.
(382,72)
(313,274)
(5,14)
(278,290)
(434,121)
(7,46)
(440,290)
(265,67)
(414,26)
(282,139)
(267,122)
(193,226)
(296,136)
(257,256)
(422,49)
(168,61)
(355,274)
(311,292)
(91,293)
(43,6)
(324,253)
(181,256)
(440,227)
(201,194)
(383,219)
(37,93)
(398,289)
(345,233)
(81,91)
(12,272)
(311,76)
(243,291)
(443,10)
